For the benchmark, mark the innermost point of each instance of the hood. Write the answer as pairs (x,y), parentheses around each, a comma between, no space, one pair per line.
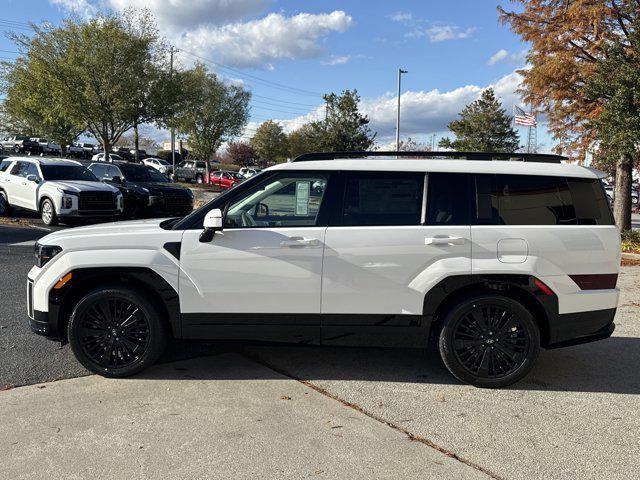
(127,234)
(82,186)
(160,187)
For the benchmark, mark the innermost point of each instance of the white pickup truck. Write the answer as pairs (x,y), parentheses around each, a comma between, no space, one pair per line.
(60,190)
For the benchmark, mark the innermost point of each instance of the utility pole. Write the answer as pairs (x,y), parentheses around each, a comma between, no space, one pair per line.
(400,72)
(173,132)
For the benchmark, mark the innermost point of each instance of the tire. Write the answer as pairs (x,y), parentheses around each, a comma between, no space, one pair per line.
(93,330)
(5,208)
(16,149)
(48,212)
(469,341)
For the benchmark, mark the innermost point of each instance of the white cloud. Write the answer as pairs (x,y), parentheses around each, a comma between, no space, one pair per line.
(80,7)
(498,57)
(441,33)
(259,42)
(176,15)
(401,16)
(504,56)
(423,112)
(339,60)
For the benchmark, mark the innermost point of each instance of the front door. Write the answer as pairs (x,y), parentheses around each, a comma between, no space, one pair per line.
(260,277)
(389,251)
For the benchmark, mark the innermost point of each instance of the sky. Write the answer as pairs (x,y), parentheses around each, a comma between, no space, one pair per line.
(289,53)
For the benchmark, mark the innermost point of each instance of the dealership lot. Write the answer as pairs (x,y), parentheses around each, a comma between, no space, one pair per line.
(575,416)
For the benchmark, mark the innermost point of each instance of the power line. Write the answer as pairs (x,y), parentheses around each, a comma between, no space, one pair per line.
(268,83)
(283,101)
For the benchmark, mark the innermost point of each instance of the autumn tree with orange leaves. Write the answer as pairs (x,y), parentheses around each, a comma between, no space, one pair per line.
(576,46)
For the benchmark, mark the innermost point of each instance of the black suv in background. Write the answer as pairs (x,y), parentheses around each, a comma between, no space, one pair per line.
(146,193)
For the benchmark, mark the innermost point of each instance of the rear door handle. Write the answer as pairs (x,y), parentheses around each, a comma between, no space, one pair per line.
(298,242)
(444,240)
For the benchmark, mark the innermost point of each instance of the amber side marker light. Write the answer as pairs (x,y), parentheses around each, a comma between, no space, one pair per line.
(63,281)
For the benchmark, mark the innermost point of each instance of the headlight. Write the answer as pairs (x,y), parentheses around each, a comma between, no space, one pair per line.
(44,253)
(145,190)
(154,199)
(190,193)
(67,203)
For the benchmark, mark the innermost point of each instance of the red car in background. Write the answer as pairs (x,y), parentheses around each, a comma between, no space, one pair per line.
(225,179)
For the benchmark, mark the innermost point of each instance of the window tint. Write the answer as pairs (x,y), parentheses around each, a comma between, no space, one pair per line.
(590,202)
(288,200)
(533,200)
(67,172)
(540,200)
(448,199)
(383,199)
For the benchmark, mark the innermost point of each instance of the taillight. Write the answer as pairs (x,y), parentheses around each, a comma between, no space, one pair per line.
(596,281)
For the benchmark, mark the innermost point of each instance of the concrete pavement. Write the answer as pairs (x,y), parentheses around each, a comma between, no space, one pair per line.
(216,417)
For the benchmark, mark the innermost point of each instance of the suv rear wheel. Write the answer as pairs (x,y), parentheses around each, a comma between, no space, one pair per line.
(116,332)
(489,341)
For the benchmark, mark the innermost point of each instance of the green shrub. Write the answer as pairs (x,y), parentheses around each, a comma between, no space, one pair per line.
(631,241)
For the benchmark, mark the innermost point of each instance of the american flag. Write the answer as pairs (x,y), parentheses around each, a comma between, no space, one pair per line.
(523,118)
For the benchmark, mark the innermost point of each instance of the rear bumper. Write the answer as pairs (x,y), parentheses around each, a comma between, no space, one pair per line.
(582,327)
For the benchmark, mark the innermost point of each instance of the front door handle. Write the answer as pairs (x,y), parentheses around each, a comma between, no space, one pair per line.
(298,242)
(444,240)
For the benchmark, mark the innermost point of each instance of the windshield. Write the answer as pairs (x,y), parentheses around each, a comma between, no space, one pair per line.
(156,176)
(135,174)
(162,162)
(67,172)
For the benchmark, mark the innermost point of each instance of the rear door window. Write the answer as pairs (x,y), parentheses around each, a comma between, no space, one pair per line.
(448,199)
(383,198)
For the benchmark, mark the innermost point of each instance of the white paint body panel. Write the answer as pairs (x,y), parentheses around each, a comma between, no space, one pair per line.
(120,244)
(388,270)
(261,270)
(554,253)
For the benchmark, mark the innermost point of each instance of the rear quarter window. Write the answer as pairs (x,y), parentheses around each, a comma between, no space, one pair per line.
(590,202)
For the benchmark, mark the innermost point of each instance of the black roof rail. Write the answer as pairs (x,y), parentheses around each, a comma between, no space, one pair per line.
(488,156)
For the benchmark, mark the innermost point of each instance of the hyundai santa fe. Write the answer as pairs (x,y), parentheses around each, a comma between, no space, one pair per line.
(493,256)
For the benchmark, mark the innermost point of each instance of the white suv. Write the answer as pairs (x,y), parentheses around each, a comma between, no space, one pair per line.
(493,259)
(59,190)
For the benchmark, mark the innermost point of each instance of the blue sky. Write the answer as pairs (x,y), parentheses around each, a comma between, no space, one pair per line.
(290,52)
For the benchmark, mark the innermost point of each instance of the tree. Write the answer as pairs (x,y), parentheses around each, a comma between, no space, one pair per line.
(305,139)
(410,145)
(241,153)
(270,142)
(571,43)
(98,74)
(484,126)
(345,128)
(144,143)
(211,112)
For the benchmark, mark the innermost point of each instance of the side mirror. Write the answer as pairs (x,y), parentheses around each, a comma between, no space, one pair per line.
(33,178)
(117,179)
(212,224)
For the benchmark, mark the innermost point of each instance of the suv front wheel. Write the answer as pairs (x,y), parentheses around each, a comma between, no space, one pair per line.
(48,212)
(116,332)
(489,341)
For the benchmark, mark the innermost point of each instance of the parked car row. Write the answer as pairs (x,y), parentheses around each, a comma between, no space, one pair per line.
(195,171)
(67,190)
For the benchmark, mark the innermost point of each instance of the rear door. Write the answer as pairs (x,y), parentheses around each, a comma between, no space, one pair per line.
(397,235)
(14,186)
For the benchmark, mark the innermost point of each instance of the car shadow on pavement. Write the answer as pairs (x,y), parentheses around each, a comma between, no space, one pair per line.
(608,366)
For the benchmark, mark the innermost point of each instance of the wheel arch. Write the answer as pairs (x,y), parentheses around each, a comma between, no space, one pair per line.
(521,288)
(144,280)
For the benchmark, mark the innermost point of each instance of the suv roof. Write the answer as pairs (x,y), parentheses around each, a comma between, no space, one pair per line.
(45,160)
(455,162)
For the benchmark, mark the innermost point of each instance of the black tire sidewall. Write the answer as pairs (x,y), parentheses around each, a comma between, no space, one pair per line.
(157,330)
(450,360)
(5,208)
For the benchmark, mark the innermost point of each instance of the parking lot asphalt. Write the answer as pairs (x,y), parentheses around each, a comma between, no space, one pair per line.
(577,415)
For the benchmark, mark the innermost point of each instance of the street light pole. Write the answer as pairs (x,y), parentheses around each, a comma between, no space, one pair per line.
(400,72)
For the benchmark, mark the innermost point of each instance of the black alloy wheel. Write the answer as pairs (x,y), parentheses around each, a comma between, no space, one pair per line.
(116,332)
(489,341)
